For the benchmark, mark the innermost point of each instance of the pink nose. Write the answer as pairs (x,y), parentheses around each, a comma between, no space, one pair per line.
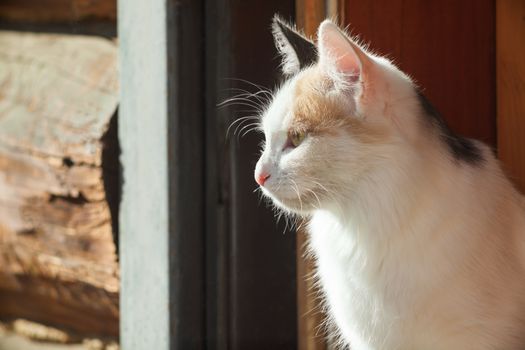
(261,178)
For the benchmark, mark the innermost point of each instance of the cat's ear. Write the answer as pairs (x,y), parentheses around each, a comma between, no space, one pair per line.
(340,56)
(296,50)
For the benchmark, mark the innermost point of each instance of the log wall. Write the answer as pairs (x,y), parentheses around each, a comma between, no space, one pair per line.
(58,262)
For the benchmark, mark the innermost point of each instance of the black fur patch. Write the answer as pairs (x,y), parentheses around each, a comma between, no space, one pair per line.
(304,48)
(462,149)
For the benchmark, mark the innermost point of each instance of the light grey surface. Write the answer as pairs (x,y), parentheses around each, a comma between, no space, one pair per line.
(144,221)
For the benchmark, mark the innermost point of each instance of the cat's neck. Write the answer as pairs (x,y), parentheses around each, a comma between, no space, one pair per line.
(412,197)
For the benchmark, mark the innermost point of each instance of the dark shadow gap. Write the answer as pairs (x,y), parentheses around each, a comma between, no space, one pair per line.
(112,174)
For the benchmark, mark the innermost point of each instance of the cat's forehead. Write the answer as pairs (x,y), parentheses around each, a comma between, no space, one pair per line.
(306,102)
(278,116)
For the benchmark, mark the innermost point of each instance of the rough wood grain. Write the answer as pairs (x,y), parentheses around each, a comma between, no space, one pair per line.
(58,10)
(57,255)
(510,67)
(447,46)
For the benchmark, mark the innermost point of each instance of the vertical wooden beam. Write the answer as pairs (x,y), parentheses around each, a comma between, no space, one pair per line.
(144,216)
(218,65)
(161,133)
(510,72)
(309,13)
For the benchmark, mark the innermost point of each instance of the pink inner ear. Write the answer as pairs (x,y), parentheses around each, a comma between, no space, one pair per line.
(335,49)
(350,65)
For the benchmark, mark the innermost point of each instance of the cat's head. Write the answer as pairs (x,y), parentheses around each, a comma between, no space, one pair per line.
(340,115)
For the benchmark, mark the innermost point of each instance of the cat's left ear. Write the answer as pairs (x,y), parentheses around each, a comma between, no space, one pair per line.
(340,56)
(296,50)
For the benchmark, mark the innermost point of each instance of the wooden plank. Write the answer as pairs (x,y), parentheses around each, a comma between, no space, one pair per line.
(218,231)
(309,13)
(447,46)
(162,216)
(58,10)
(510,60)
(57,255)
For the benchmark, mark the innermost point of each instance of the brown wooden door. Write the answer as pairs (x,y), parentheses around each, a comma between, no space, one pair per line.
(447,46)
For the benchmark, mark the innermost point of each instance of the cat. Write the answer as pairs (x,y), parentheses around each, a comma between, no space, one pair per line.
(418,236)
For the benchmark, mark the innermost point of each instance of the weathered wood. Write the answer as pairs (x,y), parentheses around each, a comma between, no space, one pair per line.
(58,10)
(57,255)
(510,65)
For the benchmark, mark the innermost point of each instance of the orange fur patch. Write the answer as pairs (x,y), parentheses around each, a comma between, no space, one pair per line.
(316,112)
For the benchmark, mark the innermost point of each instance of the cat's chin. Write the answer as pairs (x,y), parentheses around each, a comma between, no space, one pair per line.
(293,206)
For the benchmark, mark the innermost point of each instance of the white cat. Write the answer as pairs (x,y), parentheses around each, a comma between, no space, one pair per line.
(418,236)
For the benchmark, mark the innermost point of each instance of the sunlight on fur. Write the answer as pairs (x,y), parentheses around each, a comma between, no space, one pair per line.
(418,235)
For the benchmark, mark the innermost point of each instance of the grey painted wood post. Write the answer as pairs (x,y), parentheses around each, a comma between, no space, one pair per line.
(161,135)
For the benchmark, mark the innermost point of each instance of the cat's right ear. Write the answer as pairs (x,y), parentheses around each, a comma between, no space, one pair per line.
(296,50)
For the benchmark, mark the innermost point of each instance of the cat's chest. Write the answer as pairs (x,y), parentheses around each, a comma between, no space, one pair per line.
(343,258)
(363,292)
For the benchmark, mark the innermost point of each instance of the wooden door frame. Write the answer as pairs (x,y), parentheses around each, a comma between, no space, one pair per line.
(161,121)
(510,87)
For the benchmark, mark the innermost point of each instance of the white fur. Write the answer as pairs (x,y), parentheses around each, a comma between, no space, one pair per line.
(414,249)
(398,280)
(290,64)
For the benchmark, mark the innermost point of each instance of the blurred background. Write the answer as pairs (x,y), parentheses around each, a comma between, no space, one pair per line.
(113,172)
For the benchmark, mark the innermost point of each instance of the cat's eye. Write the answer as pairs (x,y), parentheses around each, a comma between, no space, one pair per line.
(296,138)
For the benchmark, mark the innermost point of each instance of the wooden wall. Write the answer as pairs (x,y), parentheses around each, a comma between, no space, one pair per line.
(75,284)
(58,10)
(447,46)
(510,48)
(89,17)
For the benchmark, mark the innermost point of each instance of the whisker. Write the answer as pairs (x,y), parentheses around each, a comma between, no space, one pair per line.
(251,127)
(239,121)
(262,96)
(240,103)
(296,189)
(241,126)
(260,87)
(318,200)
(240,97)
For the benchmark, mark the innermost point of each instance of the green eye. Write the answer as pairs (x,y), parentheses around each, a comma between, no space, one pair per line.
(296,137)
